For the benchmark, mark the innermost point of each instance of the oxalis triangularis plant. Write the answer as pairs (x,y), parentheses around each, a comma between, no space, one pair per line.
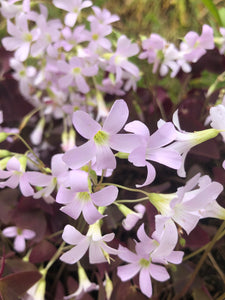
(94,200)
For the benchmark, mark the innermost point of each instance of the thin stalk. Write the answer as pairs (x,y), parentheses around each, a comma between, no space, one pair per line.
(126,188)
(202,248)
(132,200)
(29,148)
(200,263)
(55,257)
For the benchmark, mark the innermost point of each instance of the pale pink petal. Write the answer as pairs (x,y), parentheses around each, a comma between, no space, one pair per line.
(86,3)
(28,234)
(13,164)
(25,187)
(106,196)
(11,43)
(81,83)
(5,174)
(38,179)
(137,156)
(70,19)
(19,243)
(64,195)
(126,255)
(90,213)
(151,173)
(175,257)
(71,235)
(145,282)
(85,125)
(10,231)
(164,135)
(22,53)
(168,240)
(65,5)
(80,156)
(166,157)
(137,127)
(105,158)
(73,209)
(96,255)
(128,271)
(65,81)
(107,237)
(205,196)
(186,220)
(76,253)
(117,117)
(78,181)
(158,272)
(124,142)
(57,165)
(12,181)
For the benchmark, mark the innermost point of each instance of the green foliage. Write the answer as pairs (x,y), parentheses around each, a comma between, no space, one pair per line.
(213,10)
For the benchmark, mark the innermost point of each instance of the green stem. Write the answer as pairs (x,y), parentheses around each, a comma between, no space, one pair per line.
(27,118)
(126,188)
(202,248)
(132,200)
(55,257)
(200,263)
(41,166)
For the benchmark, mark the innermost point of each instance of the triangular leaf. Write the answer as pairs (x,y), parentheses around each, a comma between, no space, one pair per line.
(14,285)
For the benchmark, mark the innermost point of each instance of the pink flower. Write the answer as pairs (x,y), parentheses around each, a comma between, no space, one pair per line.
(118,62)
(15,175)
(74,72)
(195,46)
(79,199)
(20,236)
(47,183)
(49,31)
(96,243)
(151,148)
(188,205)
(146,260)
(102,16)
(73,7)
(101,139)
(21,38)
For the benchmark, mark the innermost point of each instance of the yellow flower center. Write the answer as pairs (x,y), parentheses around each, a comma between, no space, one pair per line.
(101,137)
(144,262)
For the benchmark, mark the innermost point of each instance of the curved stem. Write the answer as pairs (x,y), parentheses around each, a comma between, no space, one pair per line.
(132,200)
(126,188)
(41,166)
(200,263)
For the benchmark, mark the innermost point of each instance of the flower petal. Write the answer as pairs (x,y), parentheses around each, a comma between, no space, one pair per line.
(19,243)
(71,235)
(85,125)
(117,117)
(106,196)
(128,271)
(145,282)
(158,272)
(76,253)
(90,213)
(80,156)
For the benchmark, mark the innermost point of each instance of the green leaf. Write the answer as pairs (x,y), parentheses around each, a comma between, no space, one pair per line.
(213,10)
(222,15)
